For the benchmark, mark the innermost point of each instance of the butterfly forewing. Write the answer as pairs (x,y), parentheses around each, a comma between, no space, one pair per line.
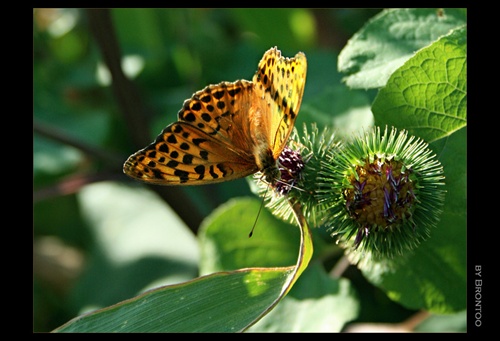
(282,82)
(221,111)
(228,130)
(182,154)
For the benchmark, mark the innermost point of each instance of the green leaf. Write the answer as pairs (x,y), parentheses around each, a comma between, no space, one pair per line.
(139,243)
(221,302)
(224,249)
(454,323)
(347,111)
(317,303)
(434,278)
(428,94)
(225,244)
(391,38)
(131,222)
(53,158)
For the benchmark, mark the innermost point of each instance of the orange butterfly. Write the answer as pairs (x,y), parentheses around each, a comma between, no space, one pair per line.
(229,130)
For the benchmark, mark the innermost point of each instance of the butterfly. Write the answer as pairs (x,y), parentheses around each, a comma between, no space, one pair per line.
(229,130)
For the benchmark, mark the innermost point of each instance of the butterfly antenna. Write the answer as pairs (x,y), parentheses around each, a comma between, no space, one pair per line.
(291,186)
(258,213)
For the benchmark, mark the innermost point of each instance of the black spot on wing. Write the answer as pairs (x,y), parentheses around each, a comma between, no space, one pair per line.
(183,175)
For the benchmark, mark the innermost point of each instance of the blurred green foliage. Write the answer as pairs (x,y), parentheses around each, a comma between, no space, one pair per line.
(81,137)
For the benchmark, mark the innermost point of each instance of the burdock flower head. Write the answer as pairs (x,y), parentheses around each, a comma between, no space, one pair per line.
(384,193)
(299,166)
(379,194)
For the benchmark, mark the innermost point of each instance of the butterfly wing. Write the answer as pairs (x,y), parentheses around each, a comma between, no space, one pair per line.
(280,83)
(210,142)
(229,130)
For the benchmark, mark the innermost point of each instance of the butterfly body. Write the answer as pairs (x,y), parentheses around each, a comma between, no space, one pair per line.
(229,130)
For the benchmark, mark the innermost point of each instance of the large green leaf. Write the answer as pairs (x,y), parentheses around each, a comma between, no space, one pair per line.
(391,38)
(225,244)
(274,243)
(131,221)
(428,94)
(139,243)
(220,302)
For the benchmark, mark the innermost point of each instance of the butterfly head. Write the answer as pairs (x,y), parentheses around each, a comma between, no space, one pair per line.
(282,174)
(267,165)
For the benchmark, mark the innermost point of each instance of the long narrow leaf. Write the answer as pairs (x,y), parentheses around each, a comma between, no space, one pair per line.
(219,302)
